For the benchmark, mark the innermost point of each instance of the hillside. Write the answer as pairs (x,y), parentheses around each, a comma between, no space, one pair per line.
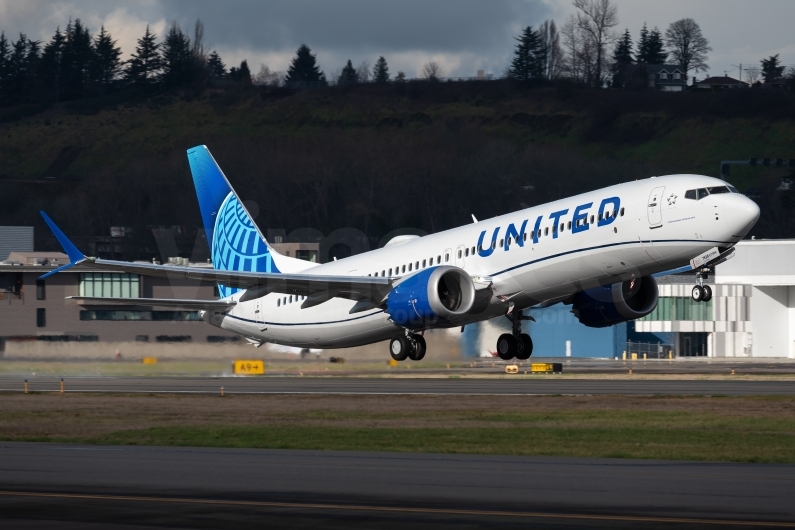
(377,158)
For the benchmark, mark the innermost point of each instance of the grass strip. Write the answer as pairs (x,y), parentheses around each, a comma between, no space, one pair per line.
(639,442)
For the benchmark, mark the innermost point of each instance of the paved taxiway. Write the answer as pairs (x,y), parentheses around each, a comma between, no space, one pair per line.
(536,385)
(48,485)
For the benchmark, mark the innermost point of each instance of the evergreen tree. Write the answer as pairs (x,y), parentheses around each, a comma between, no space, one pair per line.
(622,60)
(772,69)
(650,48)
(19,83)
(643,45)
(176,58)
(381,71)
(216,66)
(241,74)
(303,71)
(107,66)
(145,64)
(78,56)
(348,76)
(4,52)
(52,65)
(528,60)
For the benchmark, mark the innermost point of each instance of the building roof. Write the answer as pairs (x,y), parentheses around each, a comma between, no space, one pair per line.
(722,80)
(669,68)
(15,238)
(38,258)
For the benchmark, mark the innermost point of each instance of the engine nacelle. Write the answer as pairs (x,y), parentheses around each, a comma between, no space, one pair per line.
(430,297)
(611,304)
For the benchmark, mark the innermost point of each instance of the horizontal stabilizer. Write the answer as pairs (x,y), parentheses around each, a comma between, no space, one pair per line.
(158,302)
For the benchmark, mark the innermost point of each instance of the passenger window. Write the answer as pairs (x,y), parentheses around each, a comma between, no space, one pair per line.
(702,192)
(466,252)
(284,300)
(279,302)
(480,249)
(524,237)
(546,231)
(423,264)
(409,267)
(562,227)
(291,299)
(390,272)
(417,266)
(622,211)
(473,251)
(459,254)
(568,227)
(446,259)
(438,259)
(494,246)
(383,273)
(690,194)
(502,242)
(592,219)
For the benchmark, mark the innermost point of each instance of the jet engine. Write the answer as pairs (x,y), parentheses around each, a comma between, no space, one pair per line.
(430,297)
(611,304)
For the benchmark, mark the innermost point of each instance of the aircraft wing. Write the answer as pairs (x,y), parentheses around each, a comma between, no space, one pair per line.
(159,302)
(259,284)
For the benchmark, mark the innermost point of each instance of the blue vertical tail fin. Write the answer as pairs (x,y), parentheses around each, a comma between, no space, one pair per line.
(236,243)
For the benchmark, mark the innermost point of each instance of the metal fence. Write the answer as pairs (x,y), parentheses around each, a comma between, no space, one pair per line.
(651,350)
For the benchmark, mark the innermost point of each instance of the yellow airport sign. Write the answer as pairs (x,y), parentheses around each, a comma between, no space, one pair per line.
(546,367)
(248,367)
(149,360)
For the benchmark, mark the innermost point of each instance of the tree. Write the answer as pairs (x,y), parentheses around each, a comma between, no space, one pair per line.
(241,74)
(432,71)
(596,19)
(772,70)
(381,71)
(52,64)
(145,64)
(348,76)
(78,56)
(216,66)
(550,44)
(106,68)
(176,58)
(687,45)
(303,71)
(528,60)
(267,77)
(650,47)
(622,60)
(21,70)
(363,71)
(400,77)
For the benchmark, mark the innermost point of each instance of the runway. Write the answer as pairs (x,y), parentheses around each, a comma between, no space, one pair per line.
(56,486)
(537,385)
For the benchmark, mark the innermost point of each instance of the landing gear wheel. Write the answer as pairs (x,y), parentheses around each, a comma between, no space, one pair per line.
(506,347)
(524,347)
(698,293)
(418,351)
(707,293)
(399,347)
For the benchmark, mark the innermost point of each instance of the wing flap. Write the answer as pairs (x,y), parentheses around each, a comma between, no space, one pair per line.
(157,302)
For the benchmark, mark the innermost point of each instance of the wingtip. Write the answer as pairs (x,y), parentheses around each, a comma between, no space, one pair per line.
(71,250)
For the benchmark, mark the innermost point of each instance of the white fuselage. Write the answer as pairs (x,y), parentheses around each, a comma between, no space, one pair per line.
(659,230)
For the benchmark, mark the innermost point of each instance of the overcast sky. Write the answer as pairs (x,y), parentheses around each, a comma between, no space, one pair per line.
(462,35)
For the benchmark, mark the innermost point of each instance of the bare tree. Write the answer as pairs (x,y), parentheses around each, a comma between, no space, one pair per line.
(596,20)
(687,45)
(550,40)
(578,61)
(432,71)
(364,71)
(198,40)
(751,75)
(267,77)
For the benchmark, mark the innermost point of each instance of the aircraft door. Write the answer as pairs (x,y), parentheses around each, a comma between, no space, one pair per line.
(259,318)
(655,206)
(459,256)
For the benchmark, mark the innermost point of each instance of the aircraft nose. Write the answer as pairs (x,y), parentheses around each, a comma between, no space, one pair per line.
(741,210)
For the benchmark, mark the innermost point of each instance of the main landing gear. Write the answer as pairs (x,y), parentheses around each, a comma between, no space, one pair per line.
(408,345)
(515,344)
(701,292)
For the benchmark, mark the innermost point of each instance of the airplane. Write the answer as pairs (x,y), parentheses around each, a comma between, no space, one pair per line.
(598,252)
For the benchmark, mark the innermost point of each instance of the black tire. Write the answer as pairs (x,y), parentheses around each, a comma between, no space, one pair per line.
(506,347)
(697,293)
(524,347)
(399,347)
(418,351)
(707,294)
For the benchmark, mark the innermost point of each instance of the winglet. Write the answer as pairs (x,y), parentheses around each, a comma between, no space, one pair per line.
(75,256)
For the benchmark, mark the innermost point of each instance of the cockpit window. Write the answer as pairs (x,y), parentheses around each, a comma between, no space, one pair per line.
(718,189)
(702,192)
(732,188)
(690,194)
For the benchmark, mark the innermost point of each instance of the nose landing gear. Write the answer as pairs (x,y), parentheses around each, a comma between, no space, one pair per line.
(701,292)
(515,344)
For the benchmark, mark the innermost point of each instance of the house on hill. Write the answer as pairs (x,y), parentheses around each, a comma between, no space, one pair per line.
(666,77)
(720,83)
